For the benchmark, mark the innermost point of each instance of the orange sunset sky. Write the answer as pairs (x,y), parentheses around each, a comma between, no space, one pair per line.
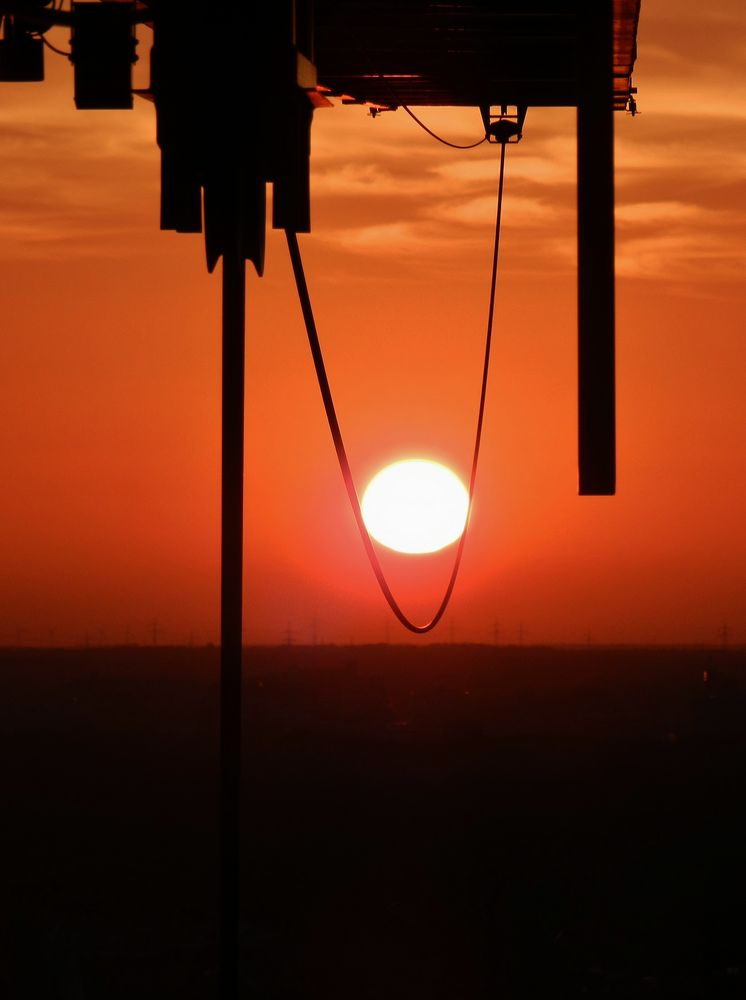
(110,367)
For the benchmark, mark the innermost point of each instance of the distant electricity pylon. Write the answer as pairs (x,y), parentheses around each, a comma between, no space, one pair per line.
(496,633)
(724,633)
(289,635)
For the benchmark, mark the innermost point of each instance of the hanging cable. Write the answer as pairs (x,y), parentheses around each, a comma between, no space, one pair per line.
(60,52)
(399,103)
(331,415)
(453,145)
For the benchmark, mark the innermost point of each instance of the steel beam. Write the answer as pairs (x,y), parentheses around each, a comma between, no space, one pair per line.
(595,138)
(231,601)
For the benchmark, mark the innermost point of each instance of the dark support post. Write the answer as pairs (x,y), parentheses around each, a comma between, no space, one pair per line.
(231,583)
(596,377)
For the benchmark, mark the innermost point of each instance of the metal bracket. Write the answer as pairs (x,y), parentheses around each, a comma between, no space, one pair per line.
(506,126)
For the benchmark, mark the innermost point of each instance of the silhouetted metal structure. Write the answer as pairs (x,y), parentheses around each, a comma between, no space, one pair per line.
(235,86)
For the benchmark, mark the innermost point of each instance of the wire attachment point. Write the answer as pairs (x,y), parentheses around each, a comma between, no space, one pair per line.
(504,127)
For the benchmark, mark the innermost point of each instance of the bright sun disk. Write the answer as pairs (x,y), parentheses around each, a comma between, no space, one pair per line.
(415,506)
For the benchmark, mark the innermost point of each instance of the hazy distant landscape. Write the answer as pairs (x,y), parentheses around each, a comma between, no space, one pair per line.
(435,822)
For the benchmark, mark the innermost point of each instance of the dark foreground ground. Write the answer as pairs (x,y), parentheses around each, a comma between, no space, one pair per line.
(420,823)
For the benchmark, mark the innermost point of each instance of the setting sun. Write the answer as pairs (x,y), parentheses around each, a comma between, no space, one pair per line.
(415,506)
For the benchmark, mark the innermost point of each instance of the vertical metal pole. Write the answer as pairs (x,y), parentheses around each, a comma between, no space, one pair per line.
(596,375)
(231,582)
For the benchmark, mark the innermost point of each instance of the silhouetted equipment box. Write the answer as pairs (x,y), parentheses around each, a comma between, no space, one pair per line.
(418,52)
(21,58)
(103,50)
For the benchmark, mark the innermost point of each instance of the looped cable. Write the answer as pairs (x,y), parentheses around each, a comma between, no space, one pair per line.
(446,142)
(331,415)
